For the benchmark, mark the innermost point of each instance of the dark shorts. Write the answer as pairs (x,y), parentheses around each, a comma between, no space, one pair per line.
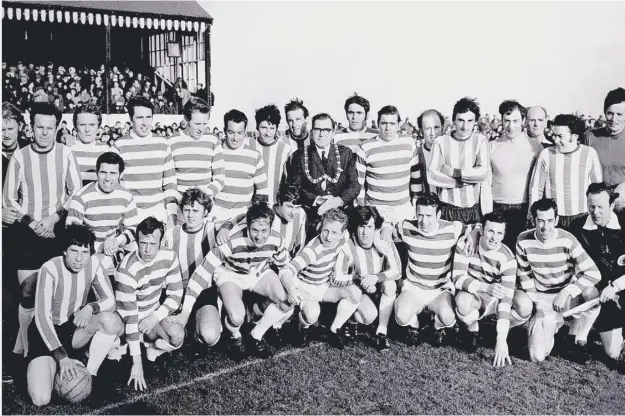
(470,215)
(565,221)
(207,297)
(38,348)
(516,221)
(27,249)
(612,315)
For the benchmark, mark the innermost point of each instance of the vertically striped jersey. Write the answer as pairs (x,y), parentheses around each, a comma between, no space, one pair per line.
(474,274)
(315,263)
(353,139)
(388,171)
(197,162)
(191,248)
(565,177)
(429,254)
(138,288)
(61,293)
(274,156)
(466,158)
(425,156)
(245,175)
(238,255)
(550,266)
(149,171)
(108,215)
(358,262)
(39,184)
(87,155)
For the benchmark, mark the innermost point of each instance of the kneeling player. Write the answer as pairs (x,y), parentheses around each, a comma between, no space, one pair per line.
(307,278)
(375,265)
(485,283)
(192,241)
(139,282)
(64,323)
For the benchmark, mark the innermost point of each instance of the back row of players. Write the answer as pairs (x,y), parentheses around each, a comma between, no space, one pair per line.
(176,216)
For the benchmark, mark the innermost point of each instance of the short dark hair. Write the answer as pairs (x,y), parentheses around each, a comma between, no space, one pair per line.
(357,99)
(322,116)
(149,225)
(193,195)
(389,110)
(615,96)
(429,200)
(427,113)
(11,112)
(235,116)
(269,113)
(464,105)
(195,105)
(258,211)
(79,235)
(138,101)
(296,104)
(110,158)
(335,215)
(575,124)
(289,193)
(361,215)
(543,205)
(45,109)
(88,109)
(598,187)
(494,217)
(509,106)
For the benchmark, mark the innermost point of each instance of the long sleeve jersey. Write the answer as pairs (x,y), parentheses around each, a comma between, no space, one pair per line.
(315,263)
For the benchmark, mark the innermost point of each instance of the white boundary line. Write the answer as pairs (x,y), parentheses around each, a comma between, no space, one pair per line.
(205,377)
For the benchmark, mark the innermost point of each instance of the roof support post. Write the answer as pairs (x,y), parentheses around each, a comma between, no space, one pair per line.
(207,63)
(107,69)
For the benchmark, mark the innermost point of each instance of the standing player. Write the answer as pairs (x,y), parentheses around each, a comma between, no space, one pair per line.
(564,172)
(107,208)
(64,321)
(536,124)
(357,112)
(554,270)
(307,279)
(485,284)
(192,241)
(296,117)
(150,174)
(375,266)
(275,151)
(388,170)
(40,179)
(430,124)
(140,280)
(245,173)
(459,164)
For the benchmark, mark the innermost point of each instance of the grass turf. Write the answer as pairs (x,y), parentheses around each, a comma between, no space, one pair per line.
(358,380)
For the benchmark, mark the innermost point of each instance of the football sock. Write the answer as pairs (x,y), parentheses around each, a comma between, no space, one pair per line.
(234,330)
(99,348)
(344,311)
(302,321)
(386,309)
(439,325)
(586,320)
(281,322)
(414,321)
(25,317)
(271,316)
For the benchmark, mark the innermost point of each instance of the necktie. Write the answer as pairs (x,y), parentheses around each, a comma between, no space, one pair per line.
(324,160)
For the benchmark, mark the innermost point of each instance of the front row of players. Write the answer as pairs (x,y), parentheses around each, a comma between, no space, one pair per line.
(173,281)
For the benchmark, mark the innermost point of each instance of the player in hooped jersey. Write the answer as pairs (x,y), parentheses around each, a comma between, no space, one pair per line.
(357,112)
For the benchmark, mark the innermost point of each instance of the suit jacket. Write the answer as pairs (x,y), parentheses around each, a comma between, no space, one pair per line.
(346,188)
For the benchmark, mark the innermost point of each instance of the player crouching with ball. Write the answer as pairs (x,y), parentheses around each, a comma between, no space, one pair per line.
(64,323)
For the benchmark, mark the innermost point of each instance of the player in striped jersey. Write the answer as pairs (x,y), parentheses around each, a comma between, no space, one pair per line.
(139,284)
(388,169)
(196,155)
(307,278)
(296,114)
(430,242)
(274,150)
(150,173)
(64,321)
(374,265)
(485,284)
(192,241)
(87,121)
(40,178)
(245,263)
(107,208)
(430,124)
(563,172)
(245,172)
(357,112)
(458,166)
(556,272)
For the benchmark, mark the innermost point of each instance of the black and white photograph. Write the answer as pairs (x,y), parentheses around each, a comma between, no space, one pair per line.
(313,207)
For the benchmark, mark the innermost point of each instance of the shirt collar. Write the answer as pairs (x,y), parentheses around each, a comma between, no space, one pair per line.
(613,224)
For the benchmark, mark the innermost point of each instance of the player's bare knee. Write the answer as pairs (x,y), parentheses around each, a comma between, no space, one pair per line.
(403,314)
(175,332)
(389,288)
(522,304)
(111,323)
(590,293)
(209,334)
(464,303)
(310,312)
(537,354)
(353,293)
(236,317)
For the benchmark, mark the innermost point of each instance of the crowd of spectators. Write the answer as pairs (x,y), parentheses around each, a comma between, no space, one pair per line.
(66,88)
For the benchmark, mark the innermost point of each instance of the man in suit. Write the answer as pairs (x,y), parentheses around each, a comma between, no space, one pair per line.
(324,172)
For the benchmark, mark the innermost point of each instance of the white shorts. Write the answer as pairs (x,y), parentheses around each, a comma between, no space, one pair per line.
(159,212)
(223,214)
(397,213)
(244,281)
(426,296)
(310,292)
(488,304)
(546,316)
